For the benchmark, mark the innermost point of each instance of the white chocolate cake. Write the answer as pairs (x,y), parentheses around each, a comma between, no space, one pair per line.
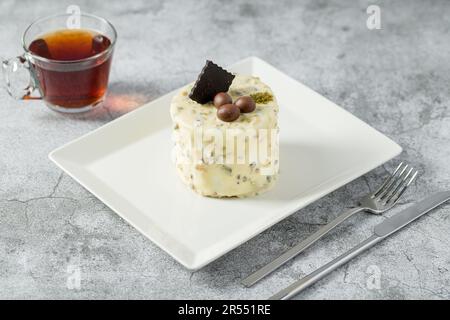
(205,157)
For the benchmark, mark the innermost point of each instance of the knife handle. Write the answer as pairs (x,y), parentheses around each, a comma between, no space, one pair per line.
(318,274)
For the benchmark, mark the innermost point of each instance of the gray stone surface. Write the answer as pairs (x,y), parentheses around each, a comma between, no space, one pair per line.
(396,79)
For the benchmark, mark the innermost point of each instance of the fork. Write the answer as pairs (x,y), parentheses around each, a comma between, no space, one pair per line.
(378,202)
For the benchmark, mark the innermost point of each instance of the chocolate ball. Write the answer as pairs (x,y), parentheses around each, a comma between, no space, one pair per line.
(246,104)
(228,112)
(222,98)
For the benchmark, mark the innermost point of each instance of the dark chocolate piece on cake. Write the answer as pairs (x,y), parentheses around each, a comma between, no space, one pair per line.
(211,80)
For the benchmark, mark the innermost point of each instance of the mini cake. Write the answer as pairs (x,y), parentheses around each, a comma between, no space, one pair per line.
(226,145)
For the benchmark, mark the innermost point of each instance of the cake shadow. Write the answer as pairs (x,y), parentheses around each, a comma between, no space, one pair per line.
(296,163)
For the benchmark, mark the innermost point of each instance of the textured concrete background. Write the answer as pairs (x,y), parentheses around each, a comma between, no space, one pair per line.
(396,79)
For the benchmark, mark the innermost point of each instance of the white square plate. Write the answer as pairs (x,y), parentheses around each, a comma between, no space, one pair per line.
(127,165)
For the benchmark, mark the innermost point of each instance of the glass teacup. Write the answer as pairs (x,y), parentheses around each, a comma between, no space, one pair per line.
(66,64)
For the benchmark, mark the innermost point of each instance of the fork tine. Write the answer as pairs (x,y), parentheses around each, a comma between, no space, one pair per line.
(400,193)
(403,180)
(392,184)
(388,179)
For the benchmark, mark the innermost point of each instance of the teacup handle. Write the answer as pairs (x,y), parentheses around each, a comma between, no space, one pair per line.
(18,70)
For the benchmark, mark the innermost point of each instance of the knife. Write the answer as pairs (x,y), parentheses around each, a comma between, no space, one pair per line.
(381,231)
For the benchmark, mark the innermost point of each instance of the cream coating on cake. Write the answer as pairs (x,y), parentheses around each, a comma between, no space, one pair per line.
(200,167)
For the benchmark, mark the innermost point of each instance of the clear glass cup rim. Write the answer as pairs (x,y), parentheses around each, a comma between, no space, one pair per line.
(98,55)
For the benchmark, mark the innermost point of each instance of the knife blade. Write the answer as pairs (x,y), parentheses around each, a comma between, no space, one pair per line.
(381,231)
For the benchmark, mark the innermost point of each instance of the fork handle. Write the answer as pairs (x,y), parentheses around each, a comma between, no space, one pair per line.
(299,248)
